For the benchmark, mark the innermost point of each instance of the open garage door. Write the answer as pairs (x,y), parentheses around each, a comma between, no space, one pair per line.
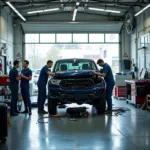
(41,47)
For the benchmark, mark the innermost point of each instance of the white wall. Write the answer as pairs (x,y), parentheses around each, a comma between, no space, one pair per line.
(124,47)
(7,32)
(18,41)
(143,28)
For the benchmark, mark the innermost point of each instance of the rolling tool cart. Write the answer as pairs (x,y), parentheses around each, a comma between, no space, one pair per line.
(120,85)
(137,91)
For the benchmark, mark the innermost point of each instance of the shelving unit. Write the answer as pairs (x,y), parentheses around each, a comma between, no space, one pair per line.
(5,82)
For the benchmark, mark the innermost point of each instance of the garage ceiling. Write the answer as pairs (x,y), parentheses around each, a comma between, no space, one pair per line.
(124,6)
(114,27)
(100,21)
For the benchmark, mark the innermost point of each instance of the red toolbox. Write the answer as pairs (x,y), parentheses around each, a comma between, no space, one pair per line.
(120,91)
(4,80)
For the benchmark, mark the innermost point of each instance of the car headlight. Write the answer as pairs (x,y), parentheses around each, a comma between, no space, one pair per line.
(55,81)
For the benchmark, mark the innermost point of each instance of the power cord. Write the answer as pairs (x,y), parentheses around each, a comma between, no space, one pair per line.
(117,111)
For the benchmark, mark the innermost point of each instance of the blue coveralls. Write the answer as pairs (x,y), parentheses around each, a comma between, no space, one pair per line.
(25,89)
(42,81)
(109,79)
(13,74)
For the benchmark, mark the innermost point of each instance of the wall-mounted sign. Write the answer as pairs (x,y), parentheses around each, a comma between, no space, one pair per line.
(18,56)
(125,56)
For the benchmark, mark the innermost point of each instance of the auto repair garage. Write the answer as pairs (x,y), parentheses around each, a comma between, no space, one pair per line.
(74,74)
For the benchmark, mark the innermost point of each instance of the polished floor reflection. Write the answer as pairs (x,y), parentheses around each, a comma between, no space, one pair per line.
(130,131)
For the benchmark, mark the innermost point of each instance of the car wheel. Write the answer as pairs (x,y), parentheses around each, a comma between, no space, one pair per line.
(101,106)
(3,140)
(52,106)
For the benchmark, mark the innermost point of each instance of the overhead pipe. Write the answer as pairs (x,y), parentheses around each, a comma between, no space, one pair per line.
(88,3)
(24,8)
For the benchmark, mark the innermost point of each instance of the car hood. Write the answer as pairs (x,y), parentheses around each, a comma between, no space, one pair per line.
(74,74)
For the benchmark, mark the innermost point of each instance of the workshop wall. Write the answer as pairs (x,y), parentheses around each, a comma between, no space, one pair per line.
(6,32)
(136,50)
(18,42)
(124,47)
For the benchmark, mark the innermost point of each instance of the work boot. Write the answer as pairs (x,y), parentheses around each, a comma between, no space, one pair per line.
(42,112)
(30,113)
(25,112)
(108,112)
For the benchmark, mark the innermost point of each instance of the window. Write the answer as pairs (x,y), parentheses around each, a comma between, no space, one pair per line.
(142,43)
(111,37)
(105,53)
(64,38)
(73,38)
(144,40)
(32,38)
(47,38)
(80,38)
(96,38)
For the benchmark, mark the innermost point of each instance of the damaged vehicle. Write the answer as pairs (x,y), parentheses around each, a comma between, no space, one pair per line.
(74,82)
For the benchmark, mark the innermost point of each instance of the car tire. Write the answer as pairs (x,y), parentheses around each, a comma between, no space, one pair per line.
(101,106)
(52,106)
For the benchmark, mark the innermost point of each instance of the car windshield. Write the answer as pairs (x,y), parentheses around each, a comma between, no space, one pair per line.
(37,71)
(66,65)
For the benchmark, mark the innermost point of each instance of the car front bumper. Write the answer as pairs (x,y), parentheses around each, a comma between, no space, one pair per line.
(79,96)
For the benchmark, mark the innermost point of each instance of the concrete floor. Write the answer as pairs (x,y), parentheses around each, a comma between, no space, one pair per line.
(130,131)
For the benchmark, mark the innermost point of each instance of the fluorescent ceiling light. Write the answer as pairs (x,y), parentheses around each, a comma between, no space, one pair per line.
(75,11)
(77,3)
(74,15)
(41,11)
(105,10)
(15,10)
(54,9)
(34,12)
(142,10)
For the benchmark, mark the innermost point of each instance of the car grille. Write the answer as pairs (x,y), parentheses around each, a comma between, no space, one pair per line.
(76,84)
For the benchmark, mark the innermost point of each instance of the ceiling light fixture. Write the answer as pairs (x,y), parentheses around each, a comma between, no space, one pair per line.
(75,11)
(146,7)
(105,10)
(42,11)
(34,12)
(54,9)
(15,10)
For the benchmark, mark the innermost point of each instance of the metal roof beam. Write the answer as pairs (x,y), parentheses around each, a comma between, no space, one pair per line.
(88,3)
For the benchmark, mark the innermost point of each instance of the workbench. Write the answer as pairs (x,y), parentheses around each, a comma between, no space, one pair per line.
(136,91)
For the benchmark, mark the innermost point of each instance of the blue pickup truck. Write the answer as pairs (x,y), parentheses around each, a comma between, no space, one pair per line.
(74,82)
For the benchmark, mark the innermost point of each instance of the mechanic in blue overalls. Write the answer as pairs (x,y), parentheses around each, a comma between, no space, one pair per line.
(42,82)
(14,86)
(26,76)
(109,79)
